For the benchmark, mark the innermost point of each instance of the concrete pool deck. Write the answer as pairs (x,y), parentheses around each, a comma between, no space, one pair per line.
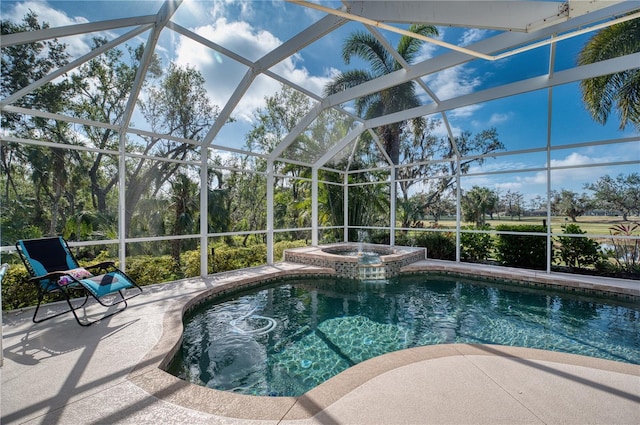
(57,372)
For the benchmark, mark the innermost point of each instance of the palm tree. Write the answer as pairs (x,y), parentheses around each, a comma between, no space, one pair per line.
(184,203)
(393,99)
(619,91)
(477,202)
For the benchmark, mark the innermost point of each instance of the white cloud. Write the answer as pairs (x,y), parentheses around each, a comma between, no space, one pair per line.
(191,12)
(219,8)
(427,49)
(246,9)
(426,52)
(513,186)
(498,118)
(494,119)
(223,74)
(571,160)
(464,112)
(482,181)
(453,82)
(538,178)
(534,183)
(45,13)
(500,164)
(77,44)
(470,36)
(441,130)
(574,177)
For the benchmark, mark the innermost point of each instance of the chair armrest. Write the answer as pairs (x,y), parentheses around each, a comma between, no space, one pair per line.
(102,265)
(49,275)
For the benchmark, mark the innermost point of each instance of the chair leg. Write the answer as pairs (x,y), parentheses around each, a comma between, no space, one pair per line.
(67,299)
(120,310)
(122,299)
(73,309)
(35,313)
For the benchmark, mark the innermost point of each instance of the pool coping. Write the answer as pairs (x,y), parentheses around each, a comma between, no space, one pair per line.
(150,375)
(619,289)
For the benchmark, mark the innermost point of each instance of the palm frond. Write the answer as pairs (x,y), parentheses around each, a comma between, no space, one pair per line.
(614,41)
(366,47)
(628,99)
(409,46)
(347,80)
(620,90)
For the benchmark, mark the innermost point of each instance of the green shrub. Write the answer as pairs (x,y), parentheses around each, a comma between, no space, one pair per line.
(404,239)
(230,258)
(380,237)
(191,263)
(150,269)
(475,246)
(440,245)
(577,251)
(626,252)
(522,250)
(224,257)
(17,291)
(279,247)
(328,236)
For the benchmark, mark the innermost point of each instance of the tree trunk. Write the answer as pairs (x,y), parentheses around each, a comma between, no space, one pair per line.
(391,141)
(58,182)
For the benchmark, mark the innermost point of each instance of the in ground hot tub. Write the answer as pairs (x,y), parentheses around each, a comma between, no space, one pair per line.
(356,261)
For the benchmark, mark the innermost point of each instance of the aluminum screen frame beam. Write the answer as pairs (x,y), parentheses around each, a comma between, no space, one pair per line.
(495,44)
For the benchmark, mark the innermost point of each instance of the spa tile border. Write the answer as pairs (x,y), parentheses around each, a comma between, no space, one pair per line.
(393,259)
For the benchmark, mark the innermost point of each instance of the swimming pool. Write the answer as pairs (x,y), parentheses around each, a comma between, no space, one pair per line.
(286,338)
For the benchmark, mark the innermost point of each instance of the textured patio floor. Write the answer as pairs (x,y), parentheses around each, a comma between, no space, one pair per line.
(60,373)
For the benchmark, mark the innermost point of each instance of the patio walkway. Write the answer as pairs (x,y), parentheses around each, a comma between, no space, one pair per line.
(57,372)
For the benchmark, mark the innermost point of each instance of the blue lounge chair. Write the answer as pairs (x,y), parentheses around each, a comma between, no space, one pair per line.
(54,269)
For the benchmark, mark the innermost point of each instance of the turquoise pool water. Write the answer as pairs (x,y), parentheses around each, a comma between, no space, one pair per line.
(285,339)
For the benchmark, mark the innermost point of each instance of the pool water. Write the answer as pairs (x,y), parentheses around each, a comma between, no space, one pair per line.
(364,257)
(285,339)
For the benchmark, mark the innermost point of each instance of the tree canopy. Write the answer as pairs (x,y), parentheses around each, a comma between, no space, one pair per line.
(621,193)
(619,92)
(365,46)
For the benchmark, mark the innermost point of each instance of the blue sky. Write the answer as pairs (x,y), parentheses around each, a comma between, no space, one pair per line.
(253,28)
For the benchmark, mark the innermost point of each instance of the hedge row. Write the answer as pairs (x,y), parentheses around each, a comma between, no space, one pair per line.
(509,248)
(18,292)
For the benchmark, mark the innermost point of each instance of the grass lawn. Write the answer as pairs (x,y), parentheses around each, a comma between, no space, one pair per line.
(595,225)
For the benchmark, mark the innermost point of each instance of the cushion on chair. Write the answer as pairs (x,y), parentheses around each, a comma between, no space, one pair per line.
(77,273)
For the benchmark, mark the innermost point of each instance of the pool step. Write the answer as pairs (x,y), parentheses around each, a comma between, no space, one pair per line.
(371,272)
